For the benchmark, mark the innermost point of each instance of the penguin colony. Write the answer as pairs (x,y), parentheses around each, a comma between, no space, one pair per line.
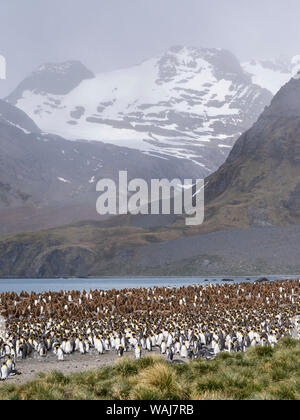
(192,322)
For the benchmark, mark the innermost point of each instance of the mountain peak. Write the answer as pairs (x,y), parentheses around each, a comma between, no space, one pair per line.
(53,78)
(63,68)
(286,103)
(188,60)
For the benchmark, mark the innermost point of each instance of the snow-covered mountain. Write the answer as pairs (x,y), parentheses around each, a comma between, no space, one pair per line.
(187,103)
(272,74)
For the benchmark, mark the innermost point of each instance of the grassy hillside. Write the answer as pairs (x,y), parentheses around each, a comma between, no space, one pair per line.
(262,373)
(75,250)
(94,249)
(258,187)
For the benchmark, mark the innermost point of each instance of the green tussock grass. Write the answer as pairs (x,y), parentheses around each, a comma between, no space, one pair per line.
(263,373)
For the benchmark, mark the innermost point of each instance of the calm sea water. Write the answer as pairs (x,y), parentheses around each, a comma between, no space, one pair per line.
(54,285)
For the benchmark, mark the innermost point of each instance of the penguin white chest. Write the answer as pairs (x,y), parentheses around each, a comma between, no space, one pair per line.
(4,372)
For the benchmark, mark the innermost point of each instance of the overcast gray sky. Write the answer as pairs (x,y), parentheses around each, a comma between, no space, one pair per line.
(109,34)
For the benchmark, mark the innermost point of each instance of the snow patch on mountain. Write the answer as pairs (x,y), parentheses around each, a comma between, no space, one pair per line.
(65,181)
(272,74)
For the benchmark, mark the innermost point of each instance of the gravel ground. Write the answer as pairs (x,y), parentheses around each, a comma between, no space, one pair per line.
(273,249)
(72,364)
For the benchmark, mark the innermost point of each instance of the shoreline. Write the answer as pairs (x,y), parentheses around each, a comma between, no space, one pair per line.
(44,285)
(148,277)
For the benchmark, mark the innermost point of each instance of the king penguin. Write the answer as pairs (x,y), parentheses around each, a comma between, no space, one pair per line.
(60,354)
(170,354)
(4,372)
(184,351)
(138,352)
(120,351)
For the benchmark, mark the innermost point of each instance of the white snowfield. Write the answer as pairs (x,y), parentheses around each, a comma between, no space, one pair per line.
(274,74)
(181,103)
